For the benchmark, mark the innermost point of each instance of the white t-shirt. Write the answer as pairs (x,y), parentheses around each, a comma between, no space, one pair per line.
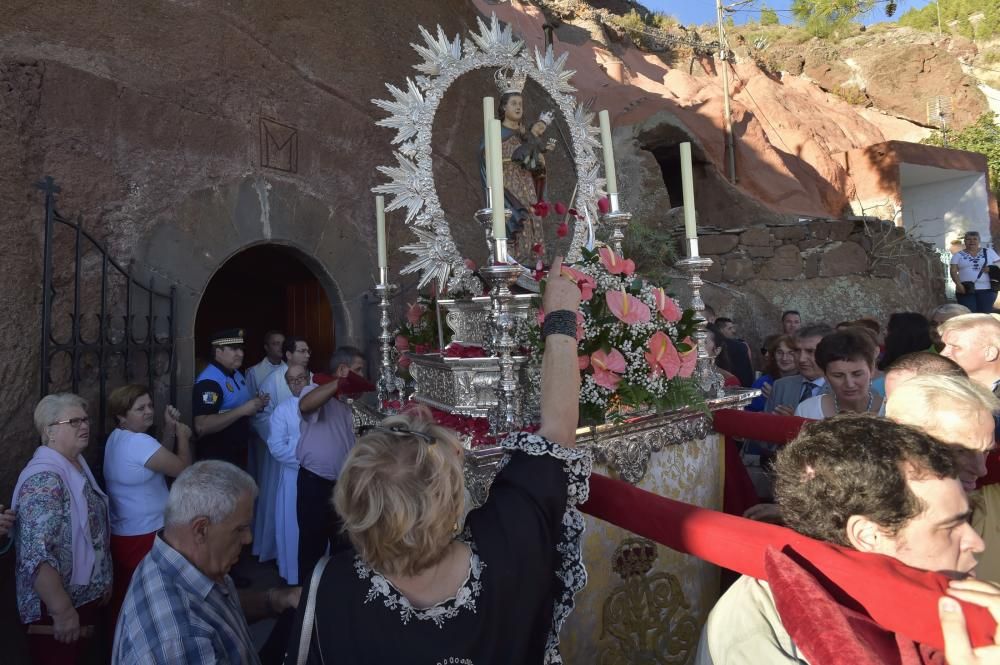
(811,408)
(969,266)
(137,495)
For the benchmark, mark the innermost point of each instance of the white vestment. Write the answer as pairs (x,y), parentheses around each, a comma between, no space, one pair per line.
(264,543)
(285,428)
(259,373)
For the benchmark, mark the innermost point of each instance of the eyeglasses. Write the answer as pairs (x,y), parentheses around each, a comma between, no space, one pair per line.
(297,379)
(75,423)
(398,431)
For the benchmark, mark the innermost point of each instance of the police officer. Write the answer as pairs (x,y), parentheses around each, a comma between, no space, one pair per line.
(221,403)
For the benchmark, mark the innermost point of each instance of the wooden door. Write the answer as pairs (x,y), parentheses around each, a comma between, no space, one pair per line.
(309,315)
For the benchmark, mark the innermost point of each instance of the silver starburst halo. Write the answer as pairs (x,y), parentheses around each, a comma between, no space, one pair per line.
(411,114)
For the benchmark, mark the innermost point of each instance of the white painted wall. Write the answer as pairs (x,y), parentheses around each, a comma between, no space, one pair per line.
(938,211)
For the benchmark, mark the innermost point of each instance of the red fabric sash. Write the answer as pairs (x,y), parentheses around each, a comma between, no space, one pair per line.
(898,598)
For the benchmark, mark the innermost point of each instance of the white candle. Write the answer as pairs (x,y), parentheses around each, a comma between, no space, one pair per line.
(687,189)
(383,262)
(609,155)
(496,159)
(488,115)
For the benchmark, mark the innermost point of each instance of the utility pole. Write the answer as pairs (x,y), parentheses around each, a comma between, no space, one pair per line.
(937,3)
(724,59)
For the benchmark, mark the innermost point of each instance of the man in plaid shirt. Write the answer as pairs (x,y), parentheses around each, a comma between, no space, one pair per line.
(182,607)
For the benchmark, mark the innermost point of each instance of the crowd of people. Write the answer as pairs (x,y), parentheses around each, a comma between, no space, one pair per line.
(384,562)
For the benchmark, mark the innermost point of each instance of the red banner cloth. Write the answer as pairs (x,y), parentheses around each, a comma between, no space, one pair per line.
(738,490)
(898,598)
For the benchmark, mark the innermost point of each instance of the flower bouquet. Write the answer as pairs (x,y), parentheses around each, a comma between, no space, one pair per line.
(635,348)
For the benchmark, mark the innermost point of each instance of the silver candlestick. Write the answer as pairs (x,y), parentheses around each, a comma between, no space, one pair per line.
(388,383)
(707,375)
(485,218)
(500,277)
(618,221)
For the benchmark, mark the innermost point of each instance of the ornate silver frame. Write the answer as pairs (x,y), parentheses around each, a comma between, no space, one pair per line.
(412,113)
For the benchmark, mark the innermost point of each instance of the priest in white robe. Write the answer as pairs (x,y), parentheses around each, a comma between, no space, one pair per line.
(285,427)
(265,546)
(274,360)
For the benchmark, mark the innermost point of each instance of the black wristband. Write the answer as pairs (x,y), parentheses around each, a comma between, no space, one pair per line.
(560,322)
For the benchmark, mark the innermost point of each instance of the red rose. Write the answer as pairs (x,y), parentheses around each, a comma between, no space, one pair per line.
(563,230)
(560,208)
(603,205)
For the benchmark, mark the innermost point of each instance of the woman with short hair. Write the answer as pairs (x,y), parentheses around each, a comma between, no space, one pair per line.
(847,359)
(63,570)
(135,470)
(421,586)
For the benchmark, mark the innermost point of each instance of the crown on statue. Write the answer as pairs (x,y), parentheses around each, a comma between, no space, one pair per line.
(510,81)
(634,557)
(546,117)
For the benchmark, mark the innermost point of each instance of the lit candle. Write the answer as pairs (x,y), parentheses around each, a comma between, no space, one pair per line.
(487,116)
(609,158)
(383,262)
(687,189)
(496,159)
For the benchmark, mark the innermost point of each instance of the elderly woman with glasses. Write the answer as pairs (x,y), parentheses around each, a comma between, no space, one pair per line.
(422,585)
(63,571)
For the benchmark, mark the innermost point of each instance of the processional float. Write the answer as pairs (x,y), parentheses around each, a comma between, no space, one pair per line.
(642,602)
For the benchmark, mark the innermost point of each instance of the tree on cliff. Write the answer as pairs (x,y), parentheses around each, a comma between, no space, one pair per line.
(955,15)
(826,18)
(768,16)
(982,136)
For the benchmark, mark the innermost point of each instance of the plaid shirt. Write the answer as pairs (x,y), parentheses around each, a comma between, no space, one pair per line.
(173,614)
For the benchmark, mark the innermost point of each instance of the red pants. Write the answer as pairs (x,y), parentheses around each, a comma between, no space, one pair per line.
(45,650)
(127,553)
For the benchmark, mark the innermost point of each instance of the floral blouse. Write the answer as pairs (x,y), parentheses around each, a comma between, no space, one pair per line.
(44,535)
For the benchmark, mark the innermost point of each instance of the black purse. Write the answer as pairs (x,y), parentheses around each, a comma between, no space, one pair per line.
(993,272)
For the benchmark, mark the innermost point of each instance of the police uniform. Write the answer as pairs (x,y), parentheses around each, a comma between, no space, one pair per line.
(218,390)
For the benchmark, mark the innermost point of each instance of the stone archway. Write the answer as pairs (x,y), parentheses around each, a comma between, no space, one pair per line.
(216,224)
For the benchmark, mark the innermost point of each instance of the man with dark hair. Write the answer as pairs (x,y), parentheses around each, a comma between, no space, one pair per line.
(861,482)
(921,363)
(222,405)
(327,437)
(790,321)
(740,361)
(787,393)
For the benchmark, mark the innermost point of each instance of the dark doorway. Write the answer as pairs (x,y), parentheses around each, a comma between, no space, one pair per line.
(669,159)
(262,288)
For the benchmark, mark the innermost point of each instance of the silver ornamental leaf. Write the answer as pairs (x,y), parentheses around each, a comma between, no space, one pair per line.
(495,40)
(406,108)
(404,188)
(433,258)
(554,77)
(439,53)
(585,119)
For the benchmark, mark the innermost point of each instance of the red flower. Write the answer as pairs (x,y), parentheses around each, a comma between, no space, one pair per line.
(603,205)
(560,208)
(662,356)
(541,209)
(574,213)
(667,306)
(607,367)
(537,248)
(402,343)
(563,230)
(471,265)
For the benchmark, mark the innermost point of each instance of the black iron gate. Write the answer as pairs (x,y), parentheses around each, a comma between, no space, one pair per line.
(101,327)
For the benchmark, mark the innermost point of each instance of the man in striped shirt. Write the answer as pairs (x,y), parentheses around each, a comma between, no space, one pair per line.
(182,607)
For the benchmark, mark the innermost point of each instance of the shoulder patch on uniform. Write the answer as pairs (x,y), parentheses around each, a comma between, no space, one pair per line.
(209,398)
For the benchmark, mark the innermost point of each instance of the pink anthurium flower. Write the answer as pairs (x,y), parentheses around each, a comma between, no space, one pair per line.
(615,264)
(583,362)
(414,313)
(662,355)
(586,283)
(688,359)
(667,306)
(628,309)
(606,368)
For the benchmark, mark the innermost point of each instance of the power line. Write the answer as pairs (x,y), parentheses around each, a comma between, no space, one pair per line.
(746,89)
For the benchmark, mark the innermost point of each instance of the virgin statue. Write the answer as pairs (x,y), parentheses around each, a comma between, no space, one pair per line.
(523,150)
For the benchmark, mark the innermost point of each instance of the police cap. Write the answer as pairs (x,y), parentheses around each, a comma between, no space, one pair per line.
(228,337)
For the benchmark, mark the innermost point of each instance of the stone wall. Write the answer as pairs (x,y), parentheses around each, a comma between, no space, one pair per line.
(829,270)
